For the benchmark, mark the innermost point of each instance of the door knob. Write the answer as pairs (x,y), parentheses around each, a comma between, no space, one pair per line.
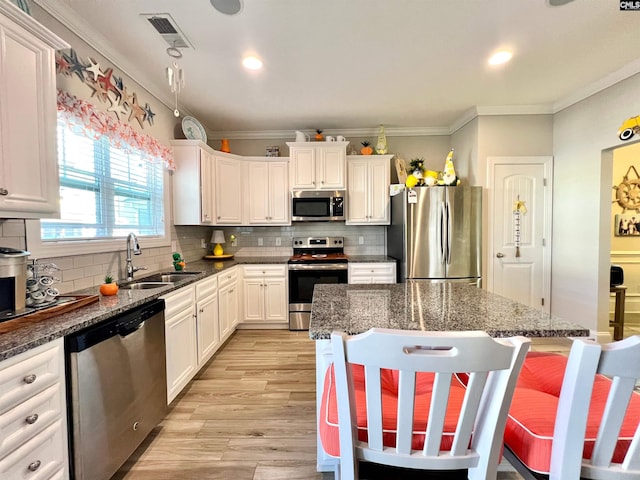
(499,255)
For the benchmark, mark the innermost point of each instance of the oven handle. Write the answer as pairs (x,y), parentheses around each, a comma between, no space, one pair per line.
(324,266)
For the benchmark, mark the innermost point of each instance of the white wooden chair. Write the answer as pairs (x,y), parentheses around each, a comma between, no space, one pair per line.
(620,363)
(492,366)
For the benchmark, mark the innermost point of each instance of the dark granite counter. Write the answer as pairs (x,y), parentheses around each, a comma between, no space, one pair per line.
(421,305)
(30,335)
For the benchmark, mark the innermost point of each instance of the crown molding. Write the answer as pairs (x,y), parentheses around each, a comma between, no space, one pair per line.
(32,25)
(67,17)
(347,132)
(627,71)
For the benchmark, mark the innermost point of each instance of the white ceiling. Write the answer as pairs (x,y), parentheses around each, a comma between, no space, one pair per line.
(412,65)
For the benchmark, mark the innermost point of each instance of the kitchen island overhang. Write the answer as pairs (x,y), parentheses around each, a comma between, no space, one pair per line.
(418,305)
(429,306)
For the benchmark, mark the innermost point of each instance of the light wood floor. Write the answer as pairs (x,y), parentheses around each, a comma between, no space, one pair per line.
(249,415)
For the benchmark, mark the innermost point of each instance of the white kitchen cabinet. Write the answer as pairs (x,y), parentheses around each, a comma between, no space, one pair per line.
(181,339)
(29,184)
(267,192)
(228,304)
(207,319)
(264,292)
(193,187)
(368,189)
(33,424)
(373,272)
(228,190)
(317,165)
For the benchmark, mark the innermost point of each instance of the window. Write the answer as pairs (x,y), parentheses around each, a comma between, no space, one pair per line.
(105,192)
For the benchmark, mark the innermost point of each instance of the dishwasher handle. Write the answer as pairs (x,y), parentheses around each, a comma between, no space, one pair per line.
(123,324)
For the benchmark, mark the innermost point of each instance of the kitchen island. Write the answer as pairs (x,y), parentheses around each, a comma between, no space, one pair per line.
(419,305)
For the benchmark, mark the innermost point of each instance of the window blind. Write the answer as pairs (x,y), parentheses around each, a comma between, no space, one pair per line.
(105,192)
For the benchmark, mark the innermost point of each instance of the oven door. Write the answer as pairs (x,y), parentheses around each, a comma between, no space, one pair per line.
(302,279)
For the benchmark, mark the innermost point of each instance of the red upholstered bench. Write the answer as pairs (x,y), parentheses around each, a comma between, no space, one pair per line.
(530,425)
(328,423)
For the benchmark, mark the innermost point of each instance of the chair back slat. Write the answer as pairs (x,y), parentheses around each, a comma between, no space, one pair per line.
(469,412)
(437,413)
(492,365)
(374,407)
(632,459)
(406,396)
(611,421)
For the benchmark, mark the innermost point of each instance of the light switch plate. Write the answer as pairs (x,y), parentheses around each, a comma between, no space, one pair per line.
(361,240)
(278,241)
(260,242)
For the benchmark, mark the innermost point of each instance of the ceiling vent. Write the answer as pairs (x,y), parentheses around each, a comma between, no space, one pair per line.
(168,29)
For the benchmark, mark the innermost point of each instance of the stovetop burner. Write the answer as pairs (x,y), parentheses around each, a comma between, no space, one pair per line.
(318,250)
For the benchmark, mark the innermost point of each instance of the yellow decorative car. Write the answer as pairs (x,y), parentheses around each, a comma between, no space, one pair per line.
(629,128)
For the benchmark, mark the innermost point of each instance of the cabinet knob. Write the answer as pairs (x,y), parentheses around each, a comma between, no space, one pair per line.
(33,466)
(202,310)
(30,378)
(218,217)
(31,419)
(4,191)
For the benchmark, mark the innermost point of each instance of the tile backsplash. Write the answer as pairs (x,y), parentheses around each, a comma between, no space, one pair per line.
(83,271)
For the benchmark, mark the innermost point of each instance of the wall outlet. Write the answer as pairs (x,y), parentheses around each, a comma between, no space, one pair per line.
(234,242)
(278,241)
(361,240)
(203,243)
(260,242)
(174,245)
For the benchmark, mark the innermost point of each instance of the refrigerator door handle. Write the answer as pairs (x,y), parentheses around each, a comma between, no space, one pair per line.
(443,253)
(449,227)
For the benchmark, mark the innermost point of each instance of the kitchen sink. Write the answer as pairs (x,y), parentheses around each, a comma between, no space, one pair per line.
(144,285)
(169,277)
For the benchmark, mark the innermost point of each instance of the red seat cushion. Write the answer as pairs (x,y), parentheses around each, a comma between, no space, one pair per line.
(328,421)
(529,430)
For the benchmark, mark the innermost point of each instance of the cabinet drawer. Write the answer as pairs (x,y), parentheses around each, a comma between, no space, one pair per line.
(29,418)
(179,300)
(253,271)
(372,269)
(39,459)
(207,287)
(31,372)
(227,277)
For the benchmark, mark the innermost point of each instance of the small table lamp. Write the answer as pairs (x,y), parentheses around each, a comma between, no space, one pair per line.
(218,238)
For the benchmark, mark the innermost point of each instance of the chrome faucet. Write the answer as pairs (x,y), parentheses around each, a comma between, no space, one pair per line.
(136,251)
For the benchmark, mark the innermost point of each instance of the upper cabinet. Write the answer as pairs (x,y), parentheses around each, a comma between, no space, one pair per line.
(318,165)
(228,189)
(193,188)
(368,189)
(29,185)
(267,193)
(215,188)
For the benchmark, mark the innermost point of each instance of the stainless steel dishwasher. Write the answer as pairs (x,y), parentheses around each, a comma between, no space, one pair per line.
(116,389)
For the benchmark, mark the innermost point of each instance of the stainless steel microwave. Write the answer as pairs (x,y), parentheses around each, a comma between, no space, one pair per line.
(318,206)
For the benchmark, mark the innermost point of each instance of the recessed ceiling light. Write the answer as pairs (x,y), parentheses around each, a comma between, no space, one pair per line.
(500,57)
(252,63)
(228,7)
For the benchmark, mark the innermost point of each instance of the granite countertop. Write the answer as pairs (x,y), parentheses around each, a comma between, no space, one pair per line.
(422,305)
(29,335)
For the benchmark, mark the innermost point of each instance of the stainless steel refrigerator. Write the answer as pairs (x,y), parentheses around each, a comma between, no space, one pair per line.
(436,233)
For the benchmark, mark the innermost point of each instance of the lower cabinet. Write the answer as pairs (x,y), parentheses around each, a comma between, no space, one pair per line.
(33,420)
(382,272)
(180,338)
(207,319)
(264,291)
(228,306)
(198,319)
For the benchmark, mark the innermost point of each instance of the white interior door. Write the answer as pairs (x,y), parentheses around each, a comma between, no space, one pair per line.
(519,248)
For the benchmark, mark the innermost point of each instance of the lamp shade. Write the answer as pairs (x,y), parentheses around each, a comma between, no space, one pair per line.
(217,237)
